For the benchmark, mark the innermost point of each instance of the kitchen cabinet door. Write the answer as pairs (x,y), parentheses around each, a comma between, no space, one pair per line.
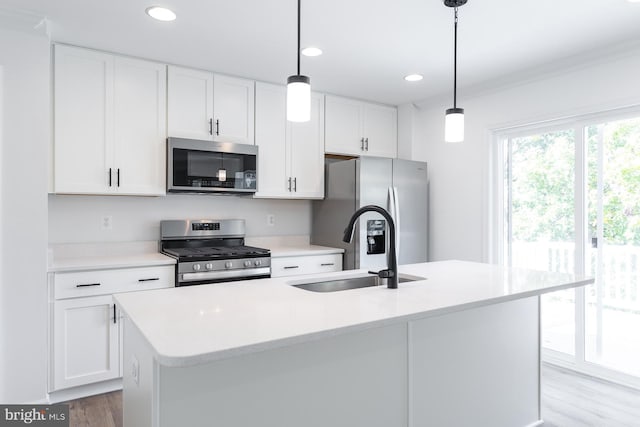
(140,123)
(380,130)
(271,130)
(358,128)
(83,136)
(190,103)
(233,108)
(85,341)
(343,128)
(306,153)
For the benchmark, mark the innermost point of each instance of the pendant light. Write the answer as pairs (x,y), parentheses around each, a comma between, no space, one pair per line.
(298,91)
(454,118)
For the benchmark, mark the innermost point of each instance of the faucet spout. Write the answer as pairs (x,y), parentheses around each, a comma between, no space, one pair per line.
(391,273)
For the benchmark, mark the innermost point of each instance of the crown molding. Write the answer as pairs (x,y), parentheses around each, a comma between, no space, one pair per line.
(533,74)
(25,21)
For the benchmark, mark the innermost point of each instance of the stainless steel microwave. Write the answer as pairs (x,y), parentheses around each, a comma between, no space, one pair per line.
(210,167)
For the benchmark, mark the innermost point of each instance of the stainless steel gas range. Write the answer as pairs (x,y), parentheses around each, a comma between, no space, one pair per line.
(212,251)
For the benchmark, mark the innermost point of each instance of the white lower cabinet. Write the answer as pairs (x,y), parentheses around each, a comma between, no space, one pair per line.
(85,344)
(86,329)
(308,264)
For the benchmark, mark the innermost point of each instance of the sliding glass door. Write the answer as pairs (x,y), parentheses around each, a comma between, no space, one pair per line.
(612,310)
(571,203)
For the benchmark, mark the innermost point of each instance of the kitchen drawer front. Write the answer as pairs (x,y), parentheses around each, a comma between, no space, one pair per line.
(103,282)
(311,264)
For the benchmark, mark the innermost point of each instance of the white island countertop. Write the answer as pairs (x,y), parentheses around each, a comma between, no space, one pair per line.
(198,324)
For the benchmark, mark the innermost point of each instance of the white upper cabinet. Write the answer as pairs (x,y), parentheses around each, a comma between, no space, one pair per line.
(83,104)
(305,143)
(271,131)
(210,107)
(109,124)
(190,101)
(291,156)
(360,128)
(233,109)
(140,126)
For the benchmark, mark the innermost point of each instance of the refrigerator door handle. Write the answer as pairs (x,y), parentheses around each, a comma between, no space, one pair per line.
(396,218)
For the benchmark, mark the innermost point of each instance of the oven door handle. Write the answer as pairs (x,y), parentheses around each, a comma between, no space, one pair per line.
(227,274)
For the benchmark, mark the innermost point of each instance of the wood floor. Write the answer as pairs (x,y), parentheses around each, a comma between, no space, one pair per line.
(574,400)
(568,400)
(102,410)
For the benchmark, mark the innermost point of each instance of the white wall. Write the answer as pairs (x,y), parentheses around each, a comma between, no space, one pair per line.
(459,173)
(79,218)
(24,57)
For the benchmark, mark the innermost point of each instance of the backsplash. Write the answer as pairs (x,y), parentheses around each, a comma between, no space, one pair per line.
(75,219)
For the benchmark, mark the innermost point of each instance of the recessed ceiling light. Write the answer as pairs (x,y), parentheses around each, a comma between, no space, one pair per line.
(413,77)
(311,51)
(161,13)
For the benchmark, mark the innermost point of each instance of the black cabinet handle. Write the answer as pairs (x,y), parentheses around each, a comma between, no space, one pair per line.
(291,266)
(326,264)
(217,127)
(289,184)
(211,126)
(362,144)
(114,314)
(295,184)
(109,177)
(148,280)
(85,285)
(366,140)
(118,177)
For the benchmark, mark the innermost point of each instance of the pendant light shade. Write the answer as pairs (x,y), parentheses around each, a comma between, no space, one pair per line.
(298,99)
(454,125)
(454,117)
(298,91)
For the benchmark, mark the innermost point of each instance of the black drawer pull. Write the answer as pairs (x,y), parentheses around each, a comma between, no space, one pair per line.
(326,264)
(148,280)
(87,285)
(291,266)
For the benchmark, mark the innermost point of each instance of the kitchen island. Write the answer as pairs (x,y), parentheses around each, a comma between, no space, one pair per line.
(460,348)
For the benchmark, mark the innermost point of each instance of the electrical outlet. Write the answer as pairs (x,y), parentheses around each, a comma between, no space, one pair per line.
(107,222)
(135,370)
(271,220)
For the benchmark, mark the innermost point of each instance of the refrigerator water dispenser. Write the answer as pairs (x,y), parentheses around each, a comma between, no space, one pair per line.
(376,240)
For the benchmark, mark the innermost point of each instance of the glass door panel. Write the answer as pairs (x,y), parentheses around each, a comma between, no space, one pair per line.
(540,222)
(612,304)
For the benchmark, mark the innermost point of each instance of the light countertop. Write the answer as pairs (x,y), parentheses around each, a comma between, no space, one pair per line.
(290,246)
(198,324)
(100,256)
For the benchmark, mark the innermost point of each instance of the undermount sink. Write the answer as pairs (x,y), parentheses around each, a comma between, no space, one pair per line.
(347,283)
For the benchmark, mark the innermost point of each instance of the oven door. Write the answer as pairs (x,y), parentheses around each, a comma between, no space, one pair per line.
(211,167)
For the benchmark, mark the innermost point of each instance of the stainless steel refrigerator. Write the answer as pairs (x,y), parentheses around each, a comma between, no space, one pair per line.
(399,186)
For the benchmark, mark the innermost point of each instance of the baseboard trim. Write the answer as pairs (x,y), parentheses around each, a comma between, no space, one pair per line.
(84,391)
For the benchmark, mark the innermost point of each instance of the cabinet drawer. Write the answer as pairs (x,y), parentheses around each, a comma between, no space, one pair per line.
(293,266)
(102,282)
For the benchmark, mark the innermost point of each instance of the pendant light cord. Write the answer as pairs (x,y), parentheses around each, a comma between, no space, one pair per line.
(299,36)
(455,57)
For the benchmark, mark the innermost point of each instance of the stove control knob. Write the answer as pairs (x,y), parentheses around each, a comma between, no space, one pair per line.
(209,266)
(258,263)
(247,263)
(228,264)
(196,267)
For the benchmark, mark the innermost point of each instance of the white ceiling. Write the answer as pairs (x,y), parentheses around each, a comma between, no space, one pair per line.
(369,45)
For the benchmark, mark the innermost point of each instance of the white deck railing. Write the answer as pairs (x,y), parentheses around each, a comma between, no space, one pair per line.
(618,278)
